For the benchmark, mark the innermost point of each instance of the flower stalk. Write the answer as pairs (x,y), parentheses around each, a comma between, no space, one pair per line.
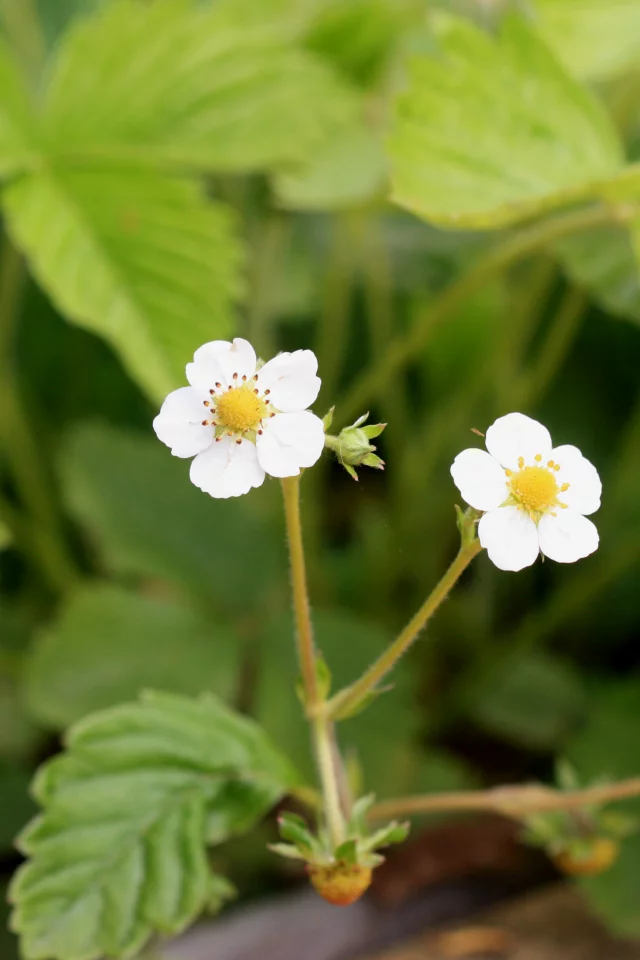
(348,700)
(314,698)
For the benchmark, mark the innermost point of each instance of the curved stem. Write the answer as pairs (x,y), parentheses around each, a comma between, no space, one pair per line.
(321,727)
(349,698)
(509,801)
(514,247)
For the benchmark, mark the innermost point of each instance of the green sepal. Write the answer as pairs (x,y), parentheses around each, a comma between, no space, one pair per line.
(347,852)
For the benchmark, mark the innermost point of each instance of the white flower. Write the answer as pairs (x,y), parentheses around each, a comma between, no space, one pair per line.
(535,496)
(241,421)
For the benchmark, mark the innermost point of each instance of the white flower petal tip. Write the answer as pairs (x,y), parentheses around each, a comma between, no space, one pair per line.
(240,420)
(535,497)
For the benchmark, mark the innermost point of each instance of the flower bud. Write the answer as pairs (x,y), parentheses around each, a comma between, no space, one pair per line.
(590,858)
(352,446)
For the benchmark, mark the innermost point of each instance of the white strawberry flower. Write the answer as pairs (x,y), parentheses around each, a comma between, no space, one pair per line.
(241,421)
(535,497)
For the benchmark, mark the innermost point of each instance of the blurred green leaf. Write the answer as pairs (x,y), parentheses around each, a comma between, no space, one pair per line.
(145,517)
(55,17)
(119,852)
(530,699)
(5,536)
(360,36)
(603,262)
(594,39)
(142,260)
(108,644)
(206,90)
(385,736)
(17,148)
(19,735)
(608,747)
(492,131)
(347,171)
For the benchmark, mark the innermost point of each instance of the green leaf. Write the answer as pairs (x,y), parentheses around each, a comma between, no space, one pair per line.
(107,644)
(492,131)
(6,538)
(203,91)
(139,259)
(608,746)
(349,170)
(603,262)
(595,40)
(119,851)
(16,118)
(146,517)
(530,699)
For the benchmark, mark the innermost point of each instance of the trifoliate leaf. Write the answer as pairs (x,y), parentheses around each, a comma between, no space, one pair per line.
(119,851)
(204,90)
(16,120)
(143,261)
(594,39)
(108,643)
(492,131)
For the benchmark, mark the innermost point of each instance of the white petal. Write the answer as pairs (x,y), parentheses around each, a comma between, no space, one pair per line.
(226,359)
(567,537)
(292,380)
(205,372)
(516,436)
(290,441)
(179,423)
(510,537)
(480,479)
(585,486)
(227,469)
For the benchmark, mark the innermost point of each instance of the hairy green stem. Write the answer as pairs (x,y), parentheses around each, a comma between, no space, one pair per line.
(349,698)
(513,248)
(516,801)
(321,727)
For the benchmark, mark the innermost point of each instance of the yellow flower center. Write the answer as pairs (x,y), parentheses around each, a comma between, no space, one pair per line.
(535,488)
(240,409)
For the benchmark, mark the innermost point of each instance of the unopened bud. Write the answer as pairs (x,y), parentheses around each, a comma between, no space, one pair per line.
(353,448)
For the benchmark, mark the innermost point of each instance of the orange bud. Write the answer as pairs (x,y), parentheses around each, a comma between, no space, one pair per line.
(340,883)
(603,854)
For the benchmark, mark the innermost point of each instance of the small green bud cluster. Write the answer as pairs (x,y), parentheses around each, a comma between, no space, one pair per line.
(352,445)
(339,873)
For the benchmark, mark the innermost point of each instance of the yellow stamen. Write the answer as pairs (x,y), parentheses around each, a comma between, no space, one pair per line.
(240,410)
(534,488)
(538,457)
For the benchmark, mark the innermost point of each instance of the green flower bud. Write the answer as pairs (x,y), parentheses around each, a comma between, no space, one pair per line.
(353,448)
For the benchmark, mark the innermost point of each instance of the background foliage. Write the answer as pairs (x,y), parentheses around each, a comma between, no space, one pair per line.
(174,172)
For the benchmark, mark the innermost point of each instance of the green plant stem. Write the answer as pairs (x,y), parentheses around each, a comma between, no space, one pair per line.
(21,449)
(321,726)
(333,326)
(349,698)
(553,351)
(510,801)
(513,248)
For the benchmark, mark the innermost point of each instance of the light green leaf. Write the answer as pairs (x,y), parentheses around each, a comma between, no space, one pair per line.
(530,699)
(144,516)
(139,259)
(349,170)
(603,262)
(6,538)
(107,644)
(16,119)
(594,39)
(492,131)
(203,90)
(608,746)
(120,849)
